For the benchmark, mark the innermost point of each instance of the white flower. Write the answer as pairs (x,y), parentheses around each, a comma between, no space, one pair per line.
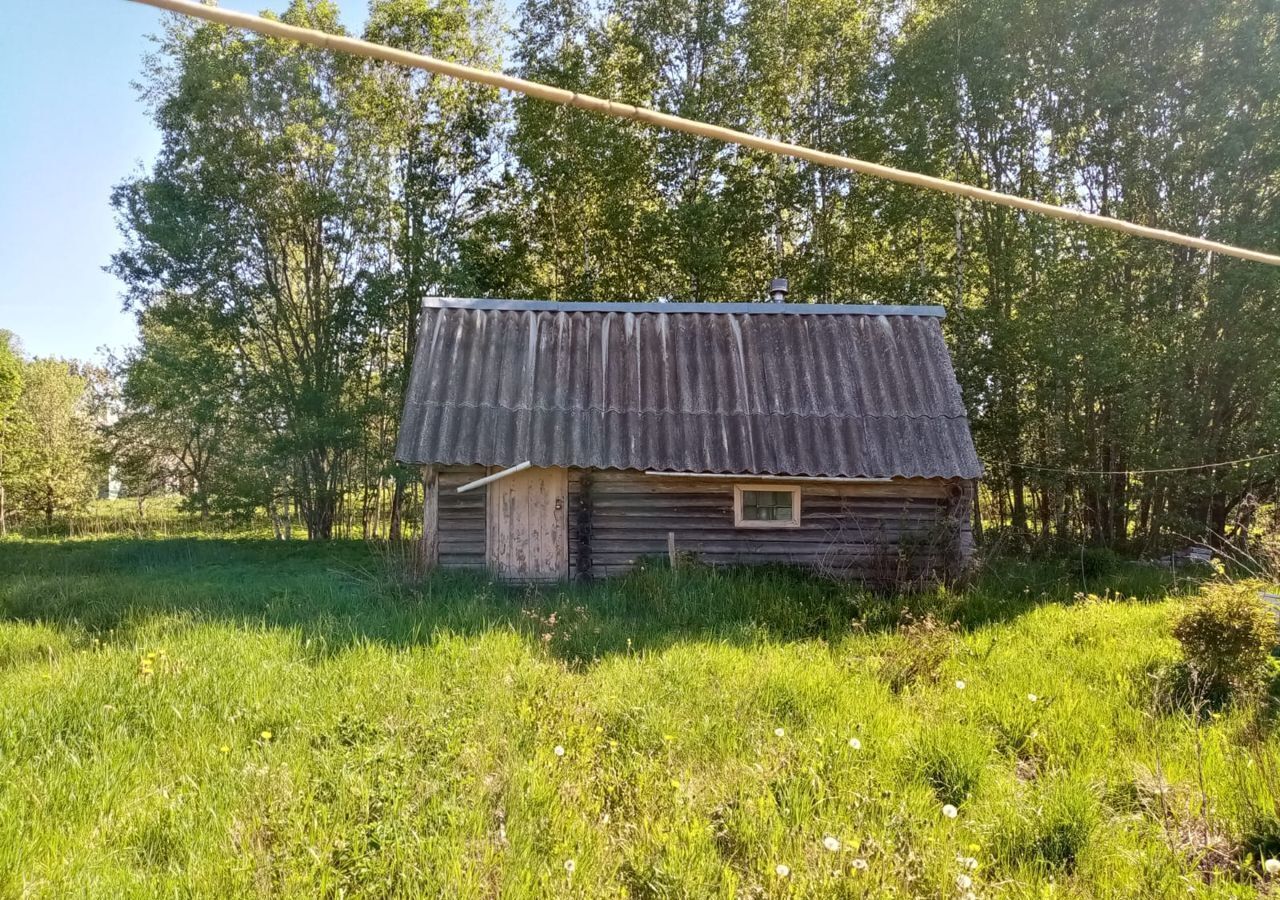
(559,751)
(950,811)
(855,744)
(1032,697)
(860,864)
(782,869)
(967,862)
(964,882)
(570,865)
(779,732)
(1271,866)
(959,685)
(832,844)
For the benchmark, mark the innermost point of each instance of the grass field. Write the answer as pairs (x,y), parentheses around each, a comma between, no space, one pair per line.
(218,718)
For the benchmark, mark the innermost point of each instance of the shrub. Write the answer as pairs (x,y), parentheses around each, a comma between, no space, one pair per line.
(1227,634)
(1098,562)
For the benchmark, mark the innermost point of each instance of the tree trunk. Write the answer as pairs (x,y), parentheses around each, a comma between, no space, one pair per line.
(397,509)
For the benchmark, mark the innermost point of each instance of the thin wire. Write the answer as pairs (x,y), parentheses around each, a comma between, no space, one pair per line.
(1214,465)
(621,110)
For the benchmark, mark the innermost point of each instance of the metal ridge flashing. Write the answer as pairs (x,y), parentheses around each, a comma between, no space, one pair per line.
(846,309)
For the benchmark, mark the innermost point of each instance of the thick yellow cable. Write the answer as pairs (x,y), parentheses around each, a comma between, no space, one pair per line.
(689,126)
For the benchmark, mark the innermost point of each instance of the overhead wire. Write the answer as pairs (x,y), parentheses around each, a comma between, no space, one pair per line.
(1171,470)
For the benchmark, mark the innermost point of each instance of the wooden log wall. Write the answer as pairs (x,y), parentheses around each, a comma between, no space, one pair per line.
(616,518)
(462,518)
(888,531)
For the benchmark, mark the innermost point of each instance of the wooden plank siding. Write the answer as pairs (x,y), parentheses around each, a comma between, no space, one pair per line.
(845,529)
(616,518)
(462,518)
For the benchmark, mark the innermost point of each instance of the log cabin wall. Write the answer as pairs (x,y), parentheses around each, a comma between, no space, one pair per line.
(462,518)
(890,532)
(882,531)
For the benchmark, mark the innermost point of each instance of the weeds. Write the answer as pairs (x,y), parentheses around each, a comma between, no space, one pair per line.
(249,718)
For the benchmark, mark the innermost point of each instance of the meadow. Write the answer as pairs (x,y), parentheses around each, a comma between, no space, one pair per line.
(224,718)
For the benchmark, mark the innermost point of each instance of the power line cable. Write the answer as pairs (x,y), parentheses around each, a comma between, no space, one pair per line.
(1213,465)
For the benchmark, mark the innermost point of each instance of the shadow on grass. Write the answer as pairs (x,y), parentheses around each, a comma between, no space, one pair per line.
(344,592)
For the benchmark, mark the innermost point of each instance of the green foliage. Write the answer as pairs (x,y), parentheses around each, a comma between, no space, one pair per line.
(304,203)
(923,646)
(951,760)
(1227,635)
(10,374)
(47,462)
(1050,833)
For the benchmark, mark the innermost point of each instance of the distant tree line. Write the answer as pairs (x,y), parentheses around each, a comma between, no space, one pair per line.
(304,202)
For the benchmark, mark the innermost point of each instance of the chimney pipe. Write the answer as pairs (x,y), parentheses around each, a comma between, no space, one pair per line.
(778,290)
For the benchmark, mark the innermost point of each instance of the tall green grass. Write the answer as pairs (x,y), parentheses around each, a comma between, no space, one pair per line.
(243,718)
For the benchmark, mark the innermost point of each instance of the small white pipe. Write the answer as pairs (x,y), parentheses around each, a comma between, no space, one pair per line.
(782,478)
(481,482)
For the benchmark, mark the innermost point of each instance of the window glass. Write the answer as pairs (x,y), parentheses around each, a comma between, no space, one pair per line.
(767,506)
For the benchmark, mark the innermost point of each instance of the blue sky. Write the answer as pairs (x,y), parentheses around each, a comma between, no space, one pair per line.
(71,127)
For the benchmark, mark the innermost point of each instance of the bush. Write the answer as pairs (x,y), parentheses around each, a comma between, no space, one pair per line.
(1098,562)
(1227,634)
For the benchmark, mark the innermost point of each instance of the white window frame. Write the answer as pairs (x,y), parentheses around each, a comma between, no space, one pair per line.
(770,487)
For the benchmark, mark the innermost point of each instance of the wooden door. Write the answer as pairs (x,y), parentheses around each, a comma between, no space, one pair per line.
(528,521)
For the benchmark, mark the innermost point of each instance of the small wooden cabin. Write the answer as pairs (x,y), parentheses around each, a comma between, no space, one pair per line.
(564,440)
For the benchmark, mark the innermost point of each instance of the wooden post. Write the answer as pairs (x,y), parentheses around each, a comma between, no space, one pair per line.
(430,541)
(671,550)
(582,527)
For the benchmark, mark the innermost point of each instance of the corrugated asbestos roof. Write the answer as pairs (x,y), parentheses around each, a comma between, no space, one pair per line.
(826,391)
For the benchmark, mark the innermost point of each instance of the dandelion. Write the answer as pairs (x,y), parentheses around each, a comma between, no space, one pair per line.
(967,862)
(855,744)
(960,685)
(964,882)
(782,869)
(831,843)
(266,735)
(1032,698)
(950,811)
(860,864)
(570,866)
(559,751)
(779,732)
(224,749)
(1272,866)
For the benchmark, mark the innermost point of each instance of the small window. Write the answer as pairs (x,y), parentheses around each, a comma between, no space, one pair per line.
(766,507)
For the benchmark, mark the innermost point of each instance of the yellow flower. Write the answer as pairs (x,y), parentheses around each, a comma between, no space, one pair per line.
(266,735)
(224,749)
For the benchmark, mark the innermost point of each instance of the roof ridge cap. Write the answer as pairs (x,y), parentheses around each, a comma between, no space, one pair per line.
(686,307)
